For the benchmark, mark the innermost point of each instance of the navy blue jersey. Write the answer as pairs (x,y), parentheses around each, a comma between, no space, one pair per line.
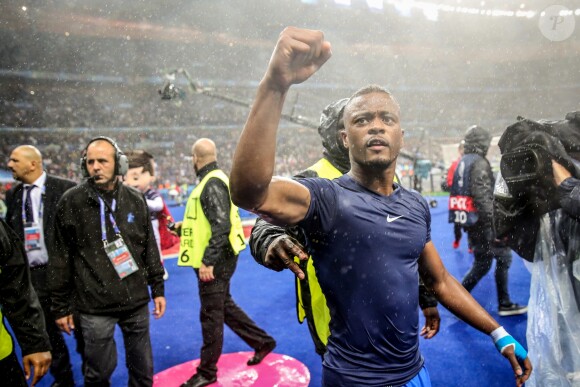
(365,247)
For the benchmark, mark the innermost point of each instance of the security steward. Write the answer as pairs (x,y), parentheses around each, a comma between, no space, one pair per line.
(211,239)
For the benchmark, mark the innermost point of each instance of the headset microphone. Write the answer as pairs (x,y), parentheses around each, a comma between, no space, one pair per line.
(121,161)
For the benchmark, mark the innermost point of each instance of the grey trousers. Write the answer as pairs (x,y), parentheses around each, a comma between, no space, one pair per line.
(101,350)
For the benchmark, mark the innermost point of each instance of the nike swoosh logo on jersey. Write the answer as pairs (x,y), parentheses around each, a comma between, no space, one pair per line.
(389,219)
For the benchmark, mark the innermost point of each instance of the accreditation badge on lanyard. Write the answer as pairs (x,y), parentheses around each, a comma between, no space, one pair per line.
(31,236)
(32,231)
(117,250)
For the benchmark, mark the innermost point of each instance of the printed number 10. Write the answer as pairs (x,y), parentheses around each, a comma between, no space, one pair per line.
(460,217)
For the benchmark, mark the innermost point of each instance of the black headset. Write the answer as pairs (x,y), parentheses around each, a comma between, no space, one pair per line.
(121,161)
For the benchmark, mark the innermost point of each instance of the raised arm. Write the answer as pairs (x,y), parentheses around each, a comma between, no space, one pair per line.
(298,54)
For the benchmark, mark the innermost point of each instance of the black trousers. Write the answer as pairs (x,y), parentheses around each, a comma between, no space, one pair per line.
(484,251)
(11,371)
(457,231)
(60,368)
(101,350)
(219,308)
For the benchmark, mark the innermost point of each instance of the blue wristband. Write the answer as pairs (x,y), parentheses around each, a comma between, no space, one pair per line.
(508,340)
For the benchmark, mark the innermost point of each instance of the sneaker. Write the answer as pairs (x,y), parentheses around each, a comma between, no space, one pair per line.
(512,309)
(455,244)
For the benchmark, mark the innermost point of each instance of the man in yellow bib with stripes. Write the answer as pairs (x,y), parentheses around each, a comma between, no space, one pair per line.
(211,239)
(274,247)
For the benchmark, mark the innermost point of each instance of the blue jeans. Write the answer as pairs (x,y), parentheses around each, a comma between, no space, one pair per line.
(101,351)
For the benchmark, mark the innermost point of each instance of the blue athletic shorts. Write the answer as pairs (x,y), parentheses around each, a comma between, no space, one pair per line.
(421,380)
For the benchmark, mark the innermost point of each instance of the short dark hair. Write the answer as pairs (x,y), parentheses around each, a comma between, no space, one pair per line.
(369,89)
(141,158)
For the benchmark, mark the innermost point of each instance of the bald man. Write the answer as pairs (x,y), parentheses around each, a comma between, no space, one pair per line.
(211,239)
(31,206)
(107,267)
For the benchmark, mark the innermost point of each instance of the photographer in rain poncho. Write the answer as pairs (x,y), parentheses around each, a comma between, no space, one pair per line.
(537,211)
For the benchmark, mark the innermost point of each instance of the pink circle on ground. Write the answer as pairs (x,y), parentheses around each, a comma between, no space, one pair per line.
(274,370)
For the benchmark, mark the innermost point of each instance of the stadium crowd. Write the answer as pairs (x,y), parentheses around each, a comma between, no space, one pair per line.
(62,148)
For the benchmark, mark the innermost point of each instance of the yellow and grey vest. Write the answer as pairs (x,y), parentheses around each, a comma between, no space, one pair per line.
(6,344)
(317,304)
(196,230)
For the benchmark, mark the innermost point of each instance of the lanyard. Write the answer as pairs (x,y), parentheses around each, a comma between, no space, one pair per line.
(40,206)
(103,222)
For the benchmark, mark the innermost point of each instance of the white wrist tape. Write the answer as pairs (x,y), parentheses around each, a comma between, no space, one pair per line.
(498,333)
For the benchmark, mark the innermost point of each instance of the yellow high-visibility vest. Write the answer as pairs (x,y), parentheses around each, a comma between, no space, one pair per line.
(311,287)
(6,343)
(196,230)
